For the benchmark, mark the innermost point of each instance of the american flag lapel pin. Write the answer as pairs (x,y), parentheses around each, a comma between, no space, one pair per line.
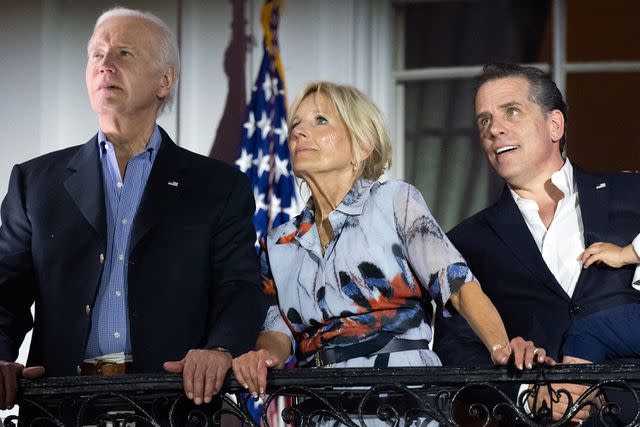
(173,183)
(601,185)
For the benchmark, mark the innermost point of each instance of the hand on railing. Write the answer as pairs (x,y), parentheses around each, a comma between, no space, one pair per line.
(250,370)
(558,398)
(521,353)
(203,372)
(9,374)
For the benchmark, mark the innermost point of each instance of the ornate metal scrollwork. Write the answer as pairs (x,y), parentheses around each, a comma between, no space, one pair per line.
(350,397)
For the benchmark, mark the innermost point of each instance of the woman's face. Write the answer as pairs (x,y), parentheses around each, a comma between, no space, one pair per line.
(319,142)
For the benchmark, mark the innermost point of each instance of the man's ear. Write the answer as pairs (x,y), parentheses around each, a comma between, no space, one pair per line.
(166,83)
(556,124)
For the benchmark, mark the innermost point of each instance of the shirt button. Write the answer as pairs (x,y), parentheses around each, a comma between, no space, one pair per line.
(118,293)
(119,184)
(116,334)
(120,257)
(87,310)
(101,258)
(124,221)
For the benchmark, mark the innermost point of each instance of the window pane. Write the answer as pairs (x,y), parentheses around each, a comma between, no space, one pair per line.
(603,31)
(603,129)
(443,158)
(474,32)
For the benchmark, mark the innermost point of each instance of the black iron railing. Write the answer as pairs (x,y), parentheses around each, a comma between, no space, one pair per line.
(353,397)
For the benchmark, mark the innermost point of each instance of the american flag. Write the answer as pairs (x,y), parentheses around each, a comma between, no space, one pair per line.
(264,152)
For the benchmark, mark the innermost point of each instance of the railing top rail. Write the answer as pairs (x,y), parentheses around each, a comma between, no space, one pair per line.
(327,378)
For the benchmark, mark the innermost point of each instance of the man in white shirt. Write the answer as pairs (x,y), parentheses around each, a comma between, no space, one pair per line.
(525,248)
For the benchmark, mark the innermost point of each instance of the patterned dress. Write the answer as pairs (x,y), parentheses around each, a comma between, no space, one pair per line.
(387,261)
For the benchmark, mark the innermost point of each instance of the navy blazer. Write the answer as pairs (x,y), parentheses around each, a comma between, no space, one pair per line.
(193,277)
(502,254)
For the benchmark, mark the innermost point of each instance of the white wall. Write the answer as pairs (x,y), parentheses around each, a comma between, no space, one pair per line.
(44,104)
(43,56)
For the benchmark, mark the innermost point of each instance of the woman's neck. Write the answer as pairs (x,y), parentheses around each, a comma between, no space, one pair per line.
(327,194)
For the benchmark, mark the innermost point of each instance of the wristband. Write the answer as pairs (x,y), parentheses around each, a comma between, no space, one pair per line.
(222,349)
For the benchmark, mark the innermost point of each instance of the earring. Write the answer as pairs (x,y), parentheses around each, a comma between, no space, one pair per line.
(355,165)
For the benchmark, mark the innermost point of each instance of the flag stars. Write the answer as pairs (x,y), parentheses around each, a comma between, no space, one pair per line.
(281,131)
(250,125)
(293,208)
(261,162)
(264,149)
(244,162)
(264,165)
(281,167)
(274,207)
(267,86)
(264,124)
(259,198)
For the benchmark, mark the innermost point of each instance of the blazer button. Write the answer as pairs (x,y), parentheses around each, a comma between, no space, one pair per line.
(87,310)
(101,258)
(575,309)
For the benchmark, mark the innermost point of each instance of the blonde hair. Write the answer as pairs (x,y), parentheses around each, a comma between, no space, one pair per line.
(363,121)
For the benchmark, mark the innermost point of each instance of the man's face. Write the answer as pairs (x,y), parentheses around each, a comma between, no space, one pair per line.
(518,138)
(122,75)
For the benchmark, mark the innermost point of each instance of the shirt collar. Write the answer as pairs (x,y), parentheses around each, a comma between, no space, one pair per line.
(355,199)
(351,204)
(152,146)
(562,178)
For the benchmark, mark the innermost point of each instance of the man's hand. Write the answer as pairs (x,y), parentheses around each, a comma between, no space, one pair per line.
(250,370)
(9,374)
(522,353)
(203,372)
(609,254)
(559,404)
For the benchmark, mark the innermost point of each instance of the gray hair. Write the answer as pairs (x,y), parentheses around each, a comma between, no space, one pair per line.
(167,53)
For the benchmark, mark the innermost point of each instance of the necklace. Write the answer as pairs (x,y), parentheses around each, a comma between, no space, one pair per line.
(320,227)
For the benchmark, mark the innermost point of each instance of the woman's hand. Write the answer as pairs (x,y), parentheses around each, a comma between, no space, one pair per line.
(250,370)
(522,353)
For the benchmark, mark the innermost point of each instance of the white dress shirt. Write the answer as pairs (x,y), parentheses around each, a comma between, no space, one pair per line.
(563,242)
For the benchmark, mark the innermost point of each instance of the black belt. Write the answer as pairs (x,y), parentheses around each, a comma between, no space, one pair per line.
(333,355)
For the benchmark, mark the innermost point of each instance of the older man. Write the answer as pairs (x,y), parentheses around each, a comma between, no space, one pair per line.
(137,253)
(525,248)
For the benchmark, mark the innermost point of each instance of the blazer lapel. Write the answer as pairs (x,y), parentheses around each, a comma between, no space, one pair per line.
(507,222)
(85,186)
(593,193)
(162,189)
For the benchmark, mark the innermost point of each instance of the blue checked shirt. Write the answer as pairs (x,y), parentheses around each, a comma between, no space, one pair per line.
(110,319)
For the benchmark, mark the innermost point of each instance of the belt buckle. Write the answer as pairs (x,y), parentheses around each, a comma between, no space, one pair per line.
(318,360)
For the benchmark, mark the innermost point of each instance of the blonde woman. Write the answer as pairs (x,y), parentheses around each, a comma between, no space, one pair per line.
(350,274)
